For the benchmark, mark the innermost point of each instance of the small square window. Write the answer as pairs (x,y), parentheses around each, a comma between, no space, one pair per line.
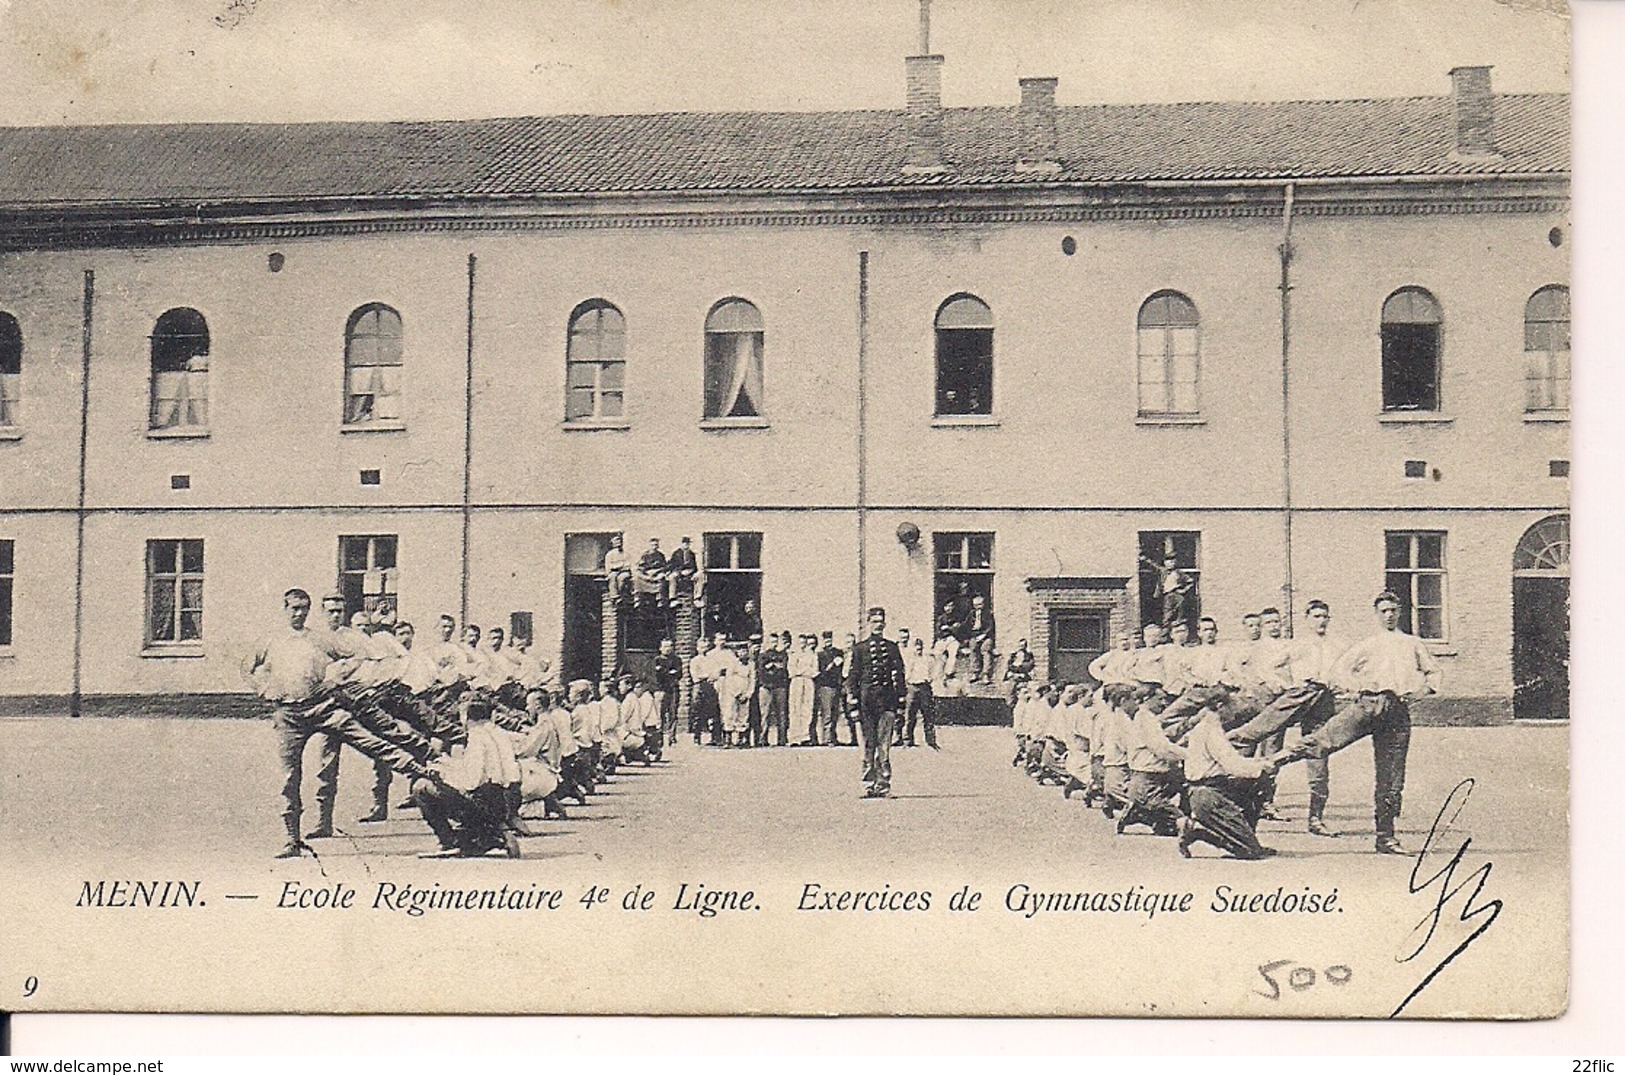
(1416,468)
(180,481)
(1558,468)
(372,477)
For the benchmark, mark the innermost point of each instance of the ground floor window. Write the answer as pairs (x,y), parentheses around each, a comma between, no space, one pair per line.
(733,584)
(964,571)
(1170,574)
(7,562)
(582,656)
(1415,570)
(174,591)
(368,573)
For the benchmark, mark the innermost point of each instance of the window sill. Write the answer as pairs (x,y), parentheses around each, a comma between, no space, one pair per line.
(590,425)
(1531,417)
(963,421)
(1439,648)
(733,423)
(7,653)
(1415,418)
(179,433)
(11,433)
(1169,420)
(164,651)
(393,425)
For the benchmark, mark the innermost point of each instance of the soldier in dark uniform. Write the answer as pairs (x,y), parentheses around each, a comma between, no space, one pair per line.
(682,569)
(827,694)
(773,689)
(668,673)
(877,684)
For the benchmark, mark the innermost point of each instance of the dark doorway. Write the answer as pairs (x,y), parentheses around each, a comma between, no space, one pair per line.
(1540,622)
(582,654)
(1170,575)
(1076,639)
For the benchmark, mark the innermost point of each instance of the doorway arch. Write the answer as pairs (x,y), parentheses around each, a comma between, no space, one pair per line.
(1540,621)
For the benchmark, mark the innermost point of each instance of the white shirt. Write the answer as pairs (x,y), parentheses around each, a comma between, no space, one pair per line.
(1313,658)
(289,666)
(1388,661)
(1149,750)
(919,667)
(487,758)
(1113,666)
(1209,754)
(803,663)
(1208,666)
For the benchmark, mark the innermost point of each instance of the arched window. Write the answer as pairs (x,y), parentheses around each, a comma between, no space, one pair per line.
(1170,351)
(1544,547)
(733,360)
(964,356)
(1412,335)
(11,370)
(372,366)
(595,361)
(180,371)
(1546,349)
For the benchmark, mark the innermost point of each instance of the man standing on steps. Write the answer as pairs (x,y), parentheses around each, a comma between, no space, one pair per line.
(877,684)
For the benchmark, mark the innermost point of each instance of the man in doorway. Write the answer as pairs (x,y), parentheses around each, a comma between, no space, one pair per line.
(979,640)
(877,684)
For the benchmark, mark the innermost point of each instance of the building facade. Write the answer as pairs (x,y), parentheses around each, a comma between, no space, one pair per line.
(1307,350)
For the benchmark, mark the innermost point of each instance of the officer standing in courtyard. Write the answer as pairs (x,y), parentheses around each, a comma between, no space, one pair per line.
(877,685)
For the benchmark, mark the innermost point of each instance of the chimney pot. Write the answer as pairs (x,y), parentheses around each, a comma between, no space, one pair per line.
(1036,117)
(1473,104)
(924,114)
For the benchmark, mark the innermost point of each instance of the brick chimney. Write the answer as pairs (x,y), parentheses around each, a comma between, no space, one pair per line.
(1036,117)
(1473,103)
(924,114)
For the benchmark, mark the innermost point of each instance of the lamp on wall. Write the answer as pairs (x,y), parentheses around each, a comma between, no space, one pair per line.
(908,536)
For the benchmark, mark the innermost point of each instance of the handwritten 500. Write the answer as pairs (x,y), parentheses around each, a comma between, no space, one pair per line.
(1300,978)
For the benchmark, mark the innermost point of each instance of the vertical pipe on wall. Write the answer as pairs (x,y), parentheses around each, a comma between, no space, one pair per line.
(468,439)
(863,430)
(1286,403)
(76,698)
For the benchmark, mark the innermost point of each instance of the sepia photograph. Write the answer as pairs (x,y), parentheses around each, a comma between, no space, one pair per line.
(858,507)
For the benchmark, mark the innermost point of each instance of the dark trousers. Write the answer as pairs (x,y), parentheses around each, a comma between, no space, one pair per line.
(705,715)
(294,725)
(1115,784)
(826,711)
(877,727)
(1154,800)
(774,705)
(922,706)
(1387,720)
(668,711)
(1225,814)
(468,821)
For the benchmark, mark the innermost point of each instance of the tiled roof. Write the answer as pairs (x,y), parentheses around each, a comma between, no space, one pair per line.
(756,151)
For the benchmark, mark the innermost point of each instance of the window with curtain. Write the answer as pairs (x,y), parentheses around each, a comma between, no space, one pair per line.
(372,366)
(964,329)
(733,360)
(1412,335)
(11,370)
(180,371)
(1169,345)
(595,360)
(1546,350)
(174,591)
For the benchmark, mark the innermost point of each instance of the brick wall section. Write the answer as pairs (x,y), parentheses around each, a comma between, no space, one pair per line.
(1110,595)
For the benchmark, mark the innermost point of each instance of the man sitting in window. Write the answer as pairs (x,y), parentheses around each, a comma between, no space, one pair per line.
(978,638)
(618,569)
(649,580)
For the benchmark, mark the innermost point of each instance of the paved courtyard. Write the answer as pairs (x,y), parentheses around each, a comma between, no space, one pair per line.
(96,798)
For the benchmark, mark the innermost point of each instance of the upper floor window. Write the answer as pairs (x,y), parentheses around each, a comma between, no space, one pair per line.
(964,356)
(11,370)
(595,360)
(180,371)
(733,360)
(1546,349)
(372,366)
(1412,333)
(1170,353)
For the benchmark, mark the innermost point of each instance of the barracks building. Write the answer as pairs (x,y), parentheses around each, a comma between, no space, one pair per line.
(1308,349)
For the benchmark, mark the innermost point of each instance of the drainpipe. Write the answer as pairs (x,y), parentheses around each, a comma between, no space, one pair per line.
(76,699)
(468,438)
(863,433)
(1286,402)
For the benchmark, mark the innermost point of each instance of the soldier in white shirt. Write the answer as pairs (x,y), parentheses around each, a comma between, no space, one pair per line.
(1077,724)
(1308,704)
(1115,665)
(705,713)
(1385,672)
(1225,790)
(1155,771)
(919,667)
(803,669)
(1115,727)
(472,807)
